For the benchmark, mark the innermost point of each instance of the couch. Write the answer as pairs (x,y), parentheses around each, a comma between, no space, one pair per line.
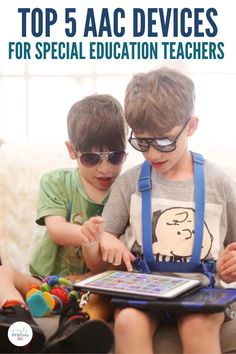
(21,166)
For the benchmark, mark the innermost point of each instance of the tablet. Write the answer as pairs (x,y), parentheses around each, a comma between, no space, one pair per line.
(137,285)
(200,300)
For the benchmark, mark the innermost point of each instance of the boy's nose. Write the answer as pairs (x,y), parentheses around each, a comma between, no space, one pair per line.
(152,154)
(104,165)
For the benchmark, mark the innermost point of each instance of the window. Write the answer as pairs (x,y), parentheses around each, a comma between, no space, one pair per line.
(35,96)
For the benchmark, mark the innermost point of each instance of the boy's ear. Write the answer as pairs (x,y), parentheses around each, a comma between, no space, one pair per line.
(71,150)
(192,126)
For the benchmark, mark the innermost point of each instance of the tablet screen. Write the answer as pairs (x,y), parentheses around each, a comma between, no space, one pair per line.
(137,284)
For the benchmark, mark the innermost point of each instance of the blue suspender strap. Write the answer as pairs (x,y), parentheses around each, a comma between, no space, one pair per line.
(145,185)
(199,187)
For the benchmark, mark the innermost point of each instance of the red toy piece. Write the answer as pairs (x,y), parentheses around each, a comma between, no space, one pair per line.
(62,294)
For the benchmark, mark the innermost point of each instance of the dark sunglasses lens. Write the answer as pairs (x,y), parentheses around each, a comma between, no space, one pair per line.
(90,159)
(143,145)
(140,145)
(117,157)
(165,148)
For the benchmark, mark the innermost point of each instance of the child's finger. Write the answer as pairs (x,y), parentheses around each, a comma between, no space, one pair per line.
(229,263)
(118,259)
(127,260)
(231,247)
(84,240)
(97,220)
(87,232)
(92,229)
(229,271)
(99,231)
(229,257)
(111,257)
(104,254)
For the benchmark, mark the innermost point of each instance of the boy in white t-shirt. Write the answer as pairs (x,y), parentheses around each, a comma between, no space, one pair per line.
(159,108)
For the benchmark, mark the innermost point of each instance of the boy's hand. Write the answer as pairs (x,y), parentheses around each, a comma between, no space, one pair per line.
(115,252)
(92,229)
(226,265)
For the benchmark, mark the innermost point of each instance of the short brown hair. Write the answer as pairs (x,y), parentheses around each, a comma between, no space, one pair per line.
(97,121)
(159,100)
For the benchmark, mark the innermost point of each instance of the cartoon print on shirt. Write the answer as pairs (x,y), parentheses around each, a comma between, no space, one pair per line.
(173,235)
(77,219)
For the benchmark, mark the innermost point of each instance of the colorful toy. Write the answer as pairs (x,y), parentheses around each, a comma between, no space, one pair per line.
(52,296)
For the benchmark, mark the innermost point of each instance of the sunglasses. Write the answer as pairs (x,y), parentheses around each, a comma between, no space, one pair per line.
(160,144)
(90,159)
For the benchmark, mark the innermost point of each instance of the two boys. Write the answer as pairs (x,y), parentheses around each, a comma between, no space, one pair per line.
(159,108)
